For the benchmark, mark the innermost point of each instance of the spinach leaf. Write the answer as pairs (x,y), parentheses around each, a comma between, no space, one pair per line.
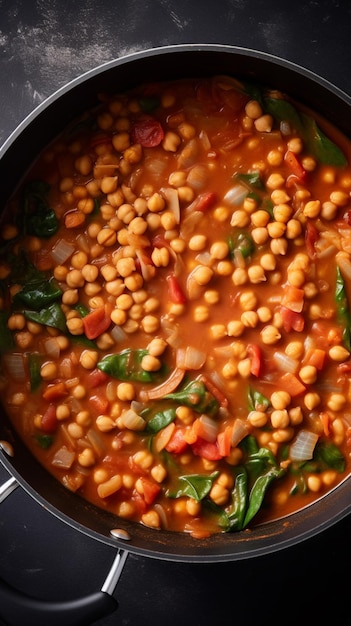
(34,363)
(241,242)
(160,420)
(195,395)
(343,308)
(330,456)
(257,401)
(196,486)
(259,491)
(38,293)
(126,365)
(325,150)
(52,316)
(36,216)
(252,179)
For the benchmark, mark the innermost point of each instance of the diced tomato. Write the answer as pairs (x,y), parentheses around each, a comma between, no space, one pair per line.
(311,237)
(204,201)
(175,292)
(224,441)
(292,320)
(326,422)
(255,356)
(216,392)
(99,404)
(55,391)
(148,132)
(177,444)
(49,420)
(97,322)
(293,385)
(150,490)
(96,378)
(293,298)
(294,164)
(207,450)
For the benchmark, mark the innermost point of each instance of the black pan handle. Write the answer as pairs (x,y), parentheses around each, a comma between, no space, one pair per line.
(18,608)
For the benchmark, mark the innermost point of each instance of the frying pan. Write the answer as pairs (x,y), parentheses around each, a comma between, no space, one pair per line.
(16,155)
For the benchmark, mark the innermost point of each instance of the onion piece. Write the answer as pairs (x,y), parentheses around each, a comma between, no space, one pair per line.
(118,334)
(303,447)
(236,195)
(285,363)
(14,364)
(344,264)
(52,347)
(209,428)
(190,358)
(172,198)
(63,458)
(62,250)
(132,420)
(241,429)
(168,386)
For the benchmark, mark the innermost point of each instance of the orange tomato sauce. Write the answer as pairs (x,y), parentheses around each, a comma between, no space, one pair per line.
(174,306)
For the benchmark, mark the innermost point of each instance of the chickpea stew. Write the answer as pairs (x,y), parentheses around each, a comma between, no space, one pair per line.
(175,321)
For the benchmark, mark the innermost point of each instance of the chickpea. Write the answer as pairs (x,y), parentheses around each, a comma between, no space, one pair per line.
(270,334)
(150,363)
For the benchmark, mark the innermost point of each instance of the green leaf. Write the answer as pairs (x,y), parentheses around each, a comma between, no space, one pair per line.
(52,316)
(34,363)
(252,179)
(320,146)
(257,401)
(259,491)
(325,150)
(242,242)
(236,514)
(45,441)
(36,217)
(160,420)
(330,455)
(343,308)
(126,365)
(283,111)
(196,486)
(38,293)
(196,396)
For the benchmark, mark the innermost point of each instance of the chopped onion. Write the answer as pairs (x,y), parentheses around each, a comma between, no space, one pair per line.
(118,334)
(204,138)
(96,441)
(209,428)
(52,347)
(241,429)
(172,198)
(190,221)
(190,358)
(169,385)
(131,420)
(14,364)
(63,458)
(344,264)
(197,177)
(303,447)
(285,363)
(62,250)
(236,195)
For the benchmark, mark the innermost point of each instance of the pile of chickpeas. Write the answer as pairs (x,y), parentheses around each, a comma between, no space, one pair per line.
(130,218)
